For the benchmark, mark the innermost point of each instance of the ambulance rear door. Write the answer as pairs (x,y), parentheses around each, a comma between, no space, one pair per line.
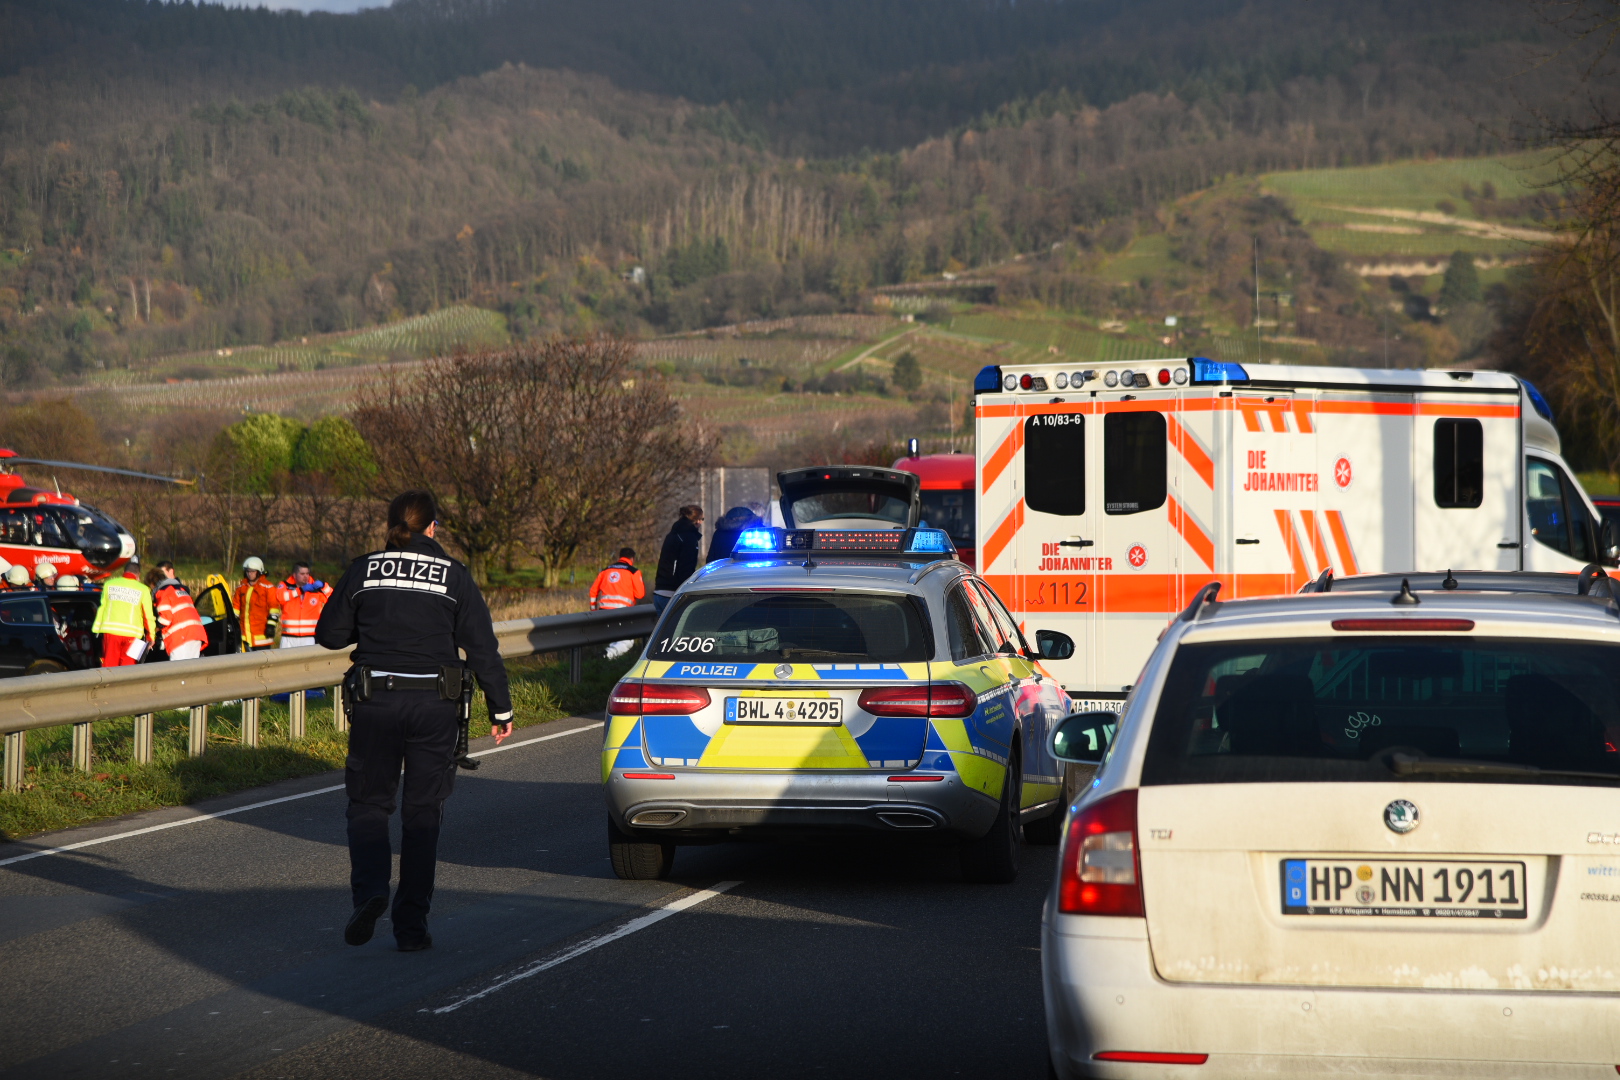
(1056,548)
(1139,553)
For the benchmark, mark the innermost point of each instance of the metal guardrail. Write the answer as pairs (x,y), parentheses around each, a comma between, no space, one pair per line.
(81,698)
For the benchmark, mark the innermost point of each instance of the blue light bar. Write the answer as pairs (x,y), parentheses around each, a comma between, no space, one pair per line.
(756,540)
(1537,402)
(931,542)
(1217,371)
(988,380)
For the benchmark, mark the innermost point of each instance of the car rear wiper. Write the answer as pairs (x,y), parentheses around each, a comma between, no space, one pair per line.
(1406,765)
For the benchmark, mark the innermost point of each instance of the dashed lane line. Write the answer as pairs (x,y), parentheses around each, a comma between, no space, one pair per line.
(674,907)
(40,854)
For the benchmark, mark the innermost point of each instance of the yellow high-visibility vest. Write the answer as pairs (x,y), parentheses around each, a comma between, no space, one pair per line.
(126,610)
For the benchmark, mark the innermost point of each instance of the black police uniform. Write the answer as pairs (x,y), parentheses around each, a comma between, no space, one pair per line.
(407,611)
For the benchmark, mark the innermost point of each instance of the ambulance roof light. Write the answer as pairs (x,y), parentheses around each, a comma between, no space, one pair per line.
(988,380)
(1216,371)
(1537,402)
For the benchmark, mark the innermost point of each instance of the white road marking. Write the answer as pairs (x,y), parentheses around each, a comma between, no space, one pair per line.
(675,907)
(255,806)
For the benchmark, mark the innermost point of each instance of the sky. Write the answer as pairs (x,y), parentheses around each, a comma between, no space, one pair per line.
(312,5)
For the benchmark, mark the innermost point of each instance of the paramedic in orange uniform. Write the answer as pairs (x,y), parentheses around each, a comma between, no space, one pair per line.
(301,599)
(618,586)
(183,633)
(255,603)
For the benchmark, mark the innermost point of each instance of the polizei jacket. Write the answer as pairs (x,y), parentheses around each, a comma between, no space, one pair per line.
(407,610)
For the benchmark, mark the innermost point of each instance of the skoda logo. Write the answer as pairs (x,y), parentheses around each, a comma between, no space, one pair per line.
(785,671)
(1401,816)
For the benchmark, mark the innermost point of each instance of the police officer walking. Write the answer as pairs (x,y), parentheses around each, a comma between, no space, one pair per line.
(407,609)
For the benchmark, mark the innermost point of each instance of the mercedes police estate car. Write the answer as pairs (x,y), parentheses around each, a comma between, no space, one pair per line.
(1357,832)
(835,680)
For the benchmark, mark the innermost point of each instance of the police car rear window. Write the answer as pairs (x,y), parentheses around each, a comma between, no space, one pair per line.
(796,627)
(1377,710)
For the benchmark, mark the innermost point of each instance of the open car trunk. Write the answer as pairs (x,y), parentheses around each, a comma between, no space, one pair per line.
(850,497)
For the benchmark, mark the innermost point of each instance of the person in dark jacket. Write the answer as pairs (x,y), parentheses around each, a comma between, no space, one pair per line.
(407,610)
(678,559)
(727,529)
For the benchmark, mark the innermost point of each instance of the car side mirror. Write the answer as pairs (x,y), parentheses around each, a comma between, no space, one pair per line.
(1082,738)
(1610,541)
(1054,644)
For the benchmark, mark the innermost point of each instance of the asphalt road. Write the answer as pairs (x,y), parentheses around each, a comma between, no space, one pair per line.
(213,948)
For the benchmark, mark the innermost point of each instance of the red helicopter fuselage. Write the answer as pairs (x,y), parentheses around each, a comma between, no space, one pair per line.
(39,525)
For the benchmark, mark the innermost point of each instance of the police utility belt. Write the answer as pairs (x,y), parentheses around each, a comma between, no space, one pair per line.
(453,683)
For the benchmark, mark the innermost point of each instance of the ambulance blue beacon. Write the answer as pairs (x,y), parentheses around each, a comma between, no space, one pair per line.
(837,681)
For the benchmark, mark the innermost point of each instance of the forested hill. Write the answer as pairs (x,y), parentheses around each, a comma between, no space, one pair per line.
(812,76)
(178,177)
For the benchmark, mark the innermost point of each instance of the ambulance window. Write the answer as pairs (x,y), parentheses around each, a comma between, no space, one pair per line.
(1134,462)
(1459,463)
(965,640)
(1055,464)
(1544,502)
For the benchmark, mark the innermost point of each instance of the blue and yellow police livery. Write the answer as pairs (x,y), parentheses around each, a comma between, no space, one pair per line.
(834,680)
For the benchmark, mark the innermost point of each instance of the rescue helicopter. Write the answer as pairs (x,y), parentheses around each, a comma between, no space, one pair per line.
(39,525)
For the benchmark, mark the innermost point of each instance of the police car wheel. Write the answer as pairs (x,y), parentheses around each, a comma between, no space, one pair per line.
(993,858)
(1049,830)
(637,860)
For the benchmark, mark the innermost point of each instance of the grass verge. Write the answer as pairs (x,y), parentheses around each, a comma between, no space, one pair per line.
(56,796)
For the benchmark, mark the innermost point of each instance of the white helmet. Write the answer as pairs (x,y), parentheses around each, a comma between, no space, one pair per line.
(67,581)
(17,577)
(45,571)
(253,562)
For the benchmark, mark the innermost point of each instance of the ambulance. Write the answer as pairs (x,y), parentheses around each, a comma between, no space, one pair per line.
(1109,496)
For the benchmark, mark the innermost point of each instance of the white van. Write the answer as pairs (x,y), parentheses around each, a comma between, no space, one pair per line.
(1109,496)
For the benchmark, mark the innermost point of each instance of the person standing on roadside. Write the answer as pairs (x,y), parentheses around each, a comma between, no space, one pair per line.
(301,599)
(255,603)
(125,617)
(678,559)
(618,586)
(183,633)
(728,528)
(409,610)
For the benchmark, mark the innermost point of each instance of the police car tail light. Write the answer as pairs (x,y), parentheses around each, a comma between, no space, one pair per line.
(654,699)
(1100,873)
(930,699)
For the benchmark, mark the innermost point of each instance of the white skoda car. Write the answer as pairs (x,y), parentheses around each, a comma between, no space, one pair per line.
(1349,834)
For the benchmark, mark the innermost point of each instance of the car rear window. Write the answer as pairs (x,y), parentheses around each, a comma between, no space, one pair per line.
(1374,709)
(796,627)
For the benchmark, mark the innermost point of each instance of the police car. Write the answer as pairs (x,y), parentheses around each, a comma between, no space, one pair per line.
(1367,832)
(835,681)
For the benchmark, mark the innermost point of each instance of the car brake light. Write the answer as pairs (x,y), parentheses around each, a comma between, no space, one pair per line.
(649,776)
(1100,873)
(1397,625)
(945,699)
(632,698)
(1148,1057)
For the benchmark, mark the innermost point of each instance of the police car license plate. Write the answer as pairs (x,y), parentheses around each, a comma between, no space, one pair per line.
(825,711)
(1432,888)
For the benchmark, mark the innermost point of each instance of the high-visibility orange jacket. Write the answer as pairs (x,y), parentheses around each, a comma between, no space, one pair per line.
(177,615)
(254,601)
(301,607)
(618,586)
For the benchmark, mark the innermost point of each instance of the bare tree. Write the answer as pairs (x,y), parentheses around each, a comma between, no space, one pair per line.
(550,446)
(616,448)
(462,426)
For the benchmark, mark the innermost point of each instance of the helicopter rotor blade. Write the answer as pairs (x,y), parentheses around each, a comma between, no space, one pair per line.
(98,468)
